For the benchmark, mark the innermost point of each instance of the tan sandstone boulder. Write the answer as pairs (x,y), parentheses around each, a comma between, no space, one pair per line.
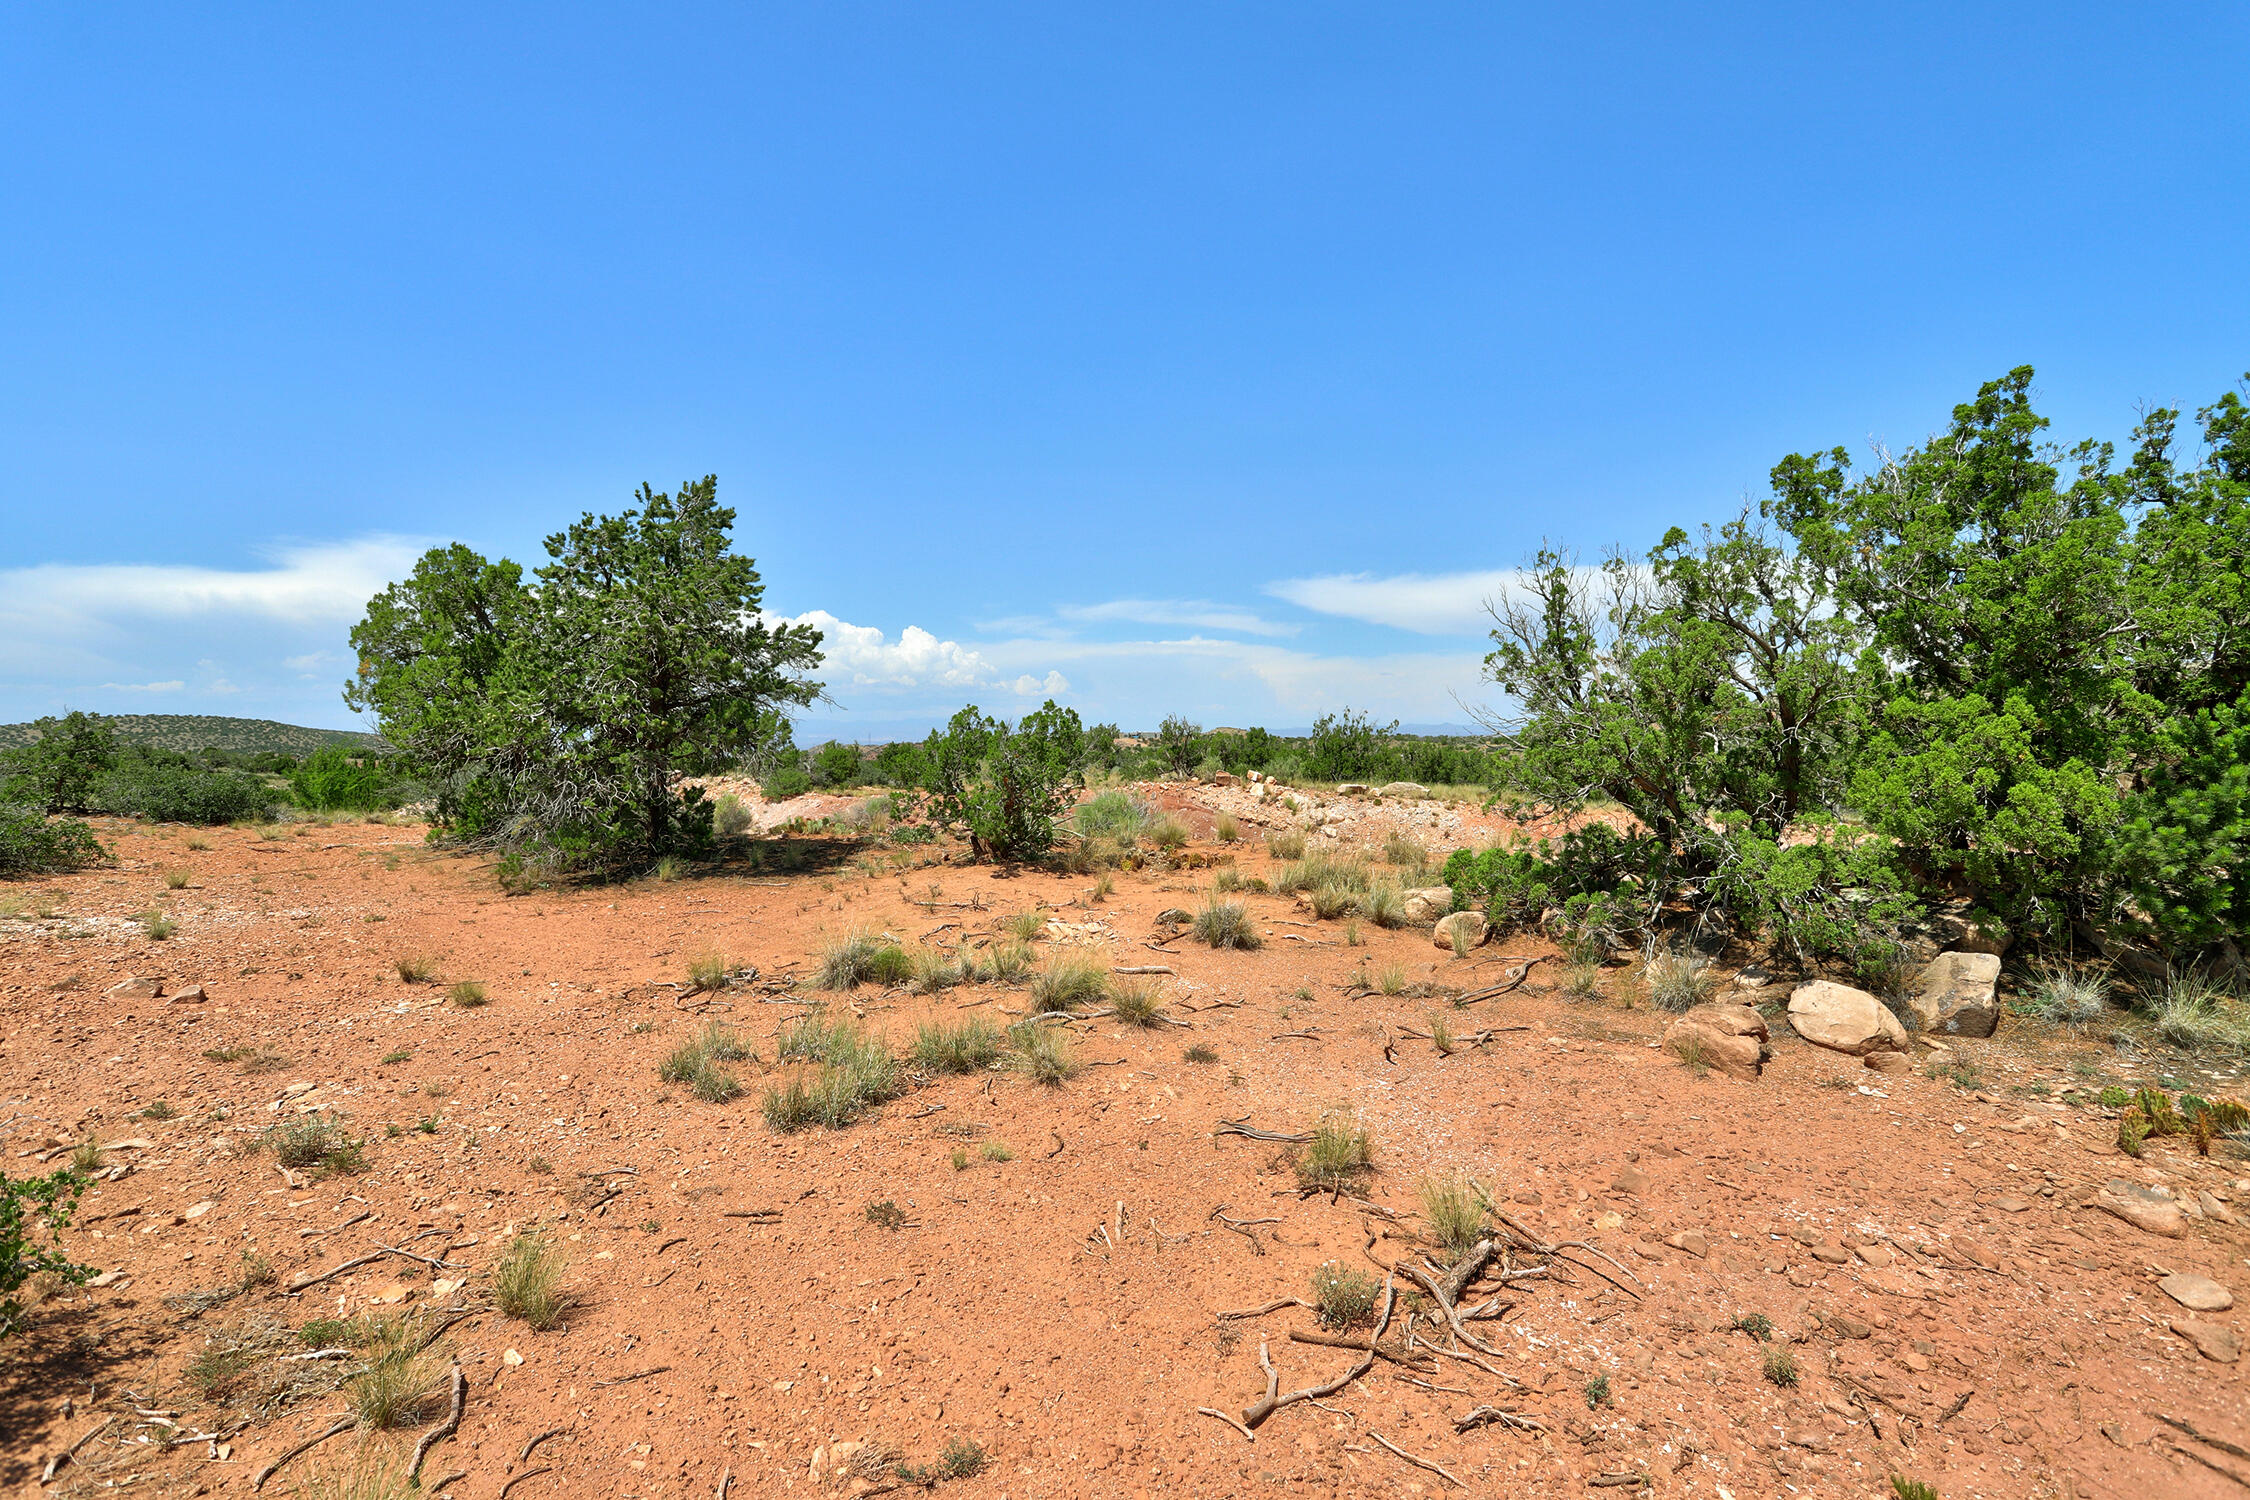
(1731,1038)
(1956,995)
(1470,927)
(1843,1019)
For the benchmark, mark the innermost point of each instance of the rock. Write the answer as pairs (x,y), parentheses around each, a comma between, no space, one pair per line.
(1629,1180)
(1174,916)
(1471,927)
(2196,1293)
(1889,1062)
(134,989)
(1955,995)
(2142,1207)
(511,1357)
(1402,789)
(2214,1341)
(1843,1019)
(1351,788)
(1693,1242)
(1225,778)
(1731,1038)
(1427,903)
(192,995)
(2213,1208)
(1875,1255)
(1850,1328)
(1831,1254)
(1753,977)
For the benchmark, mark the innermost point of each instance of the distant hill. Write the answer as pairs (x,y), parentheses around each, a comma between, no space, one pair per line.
(209,731)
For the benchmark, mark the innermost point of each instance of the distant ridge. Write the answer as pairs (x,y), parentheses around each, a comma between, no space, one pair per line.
(210,731)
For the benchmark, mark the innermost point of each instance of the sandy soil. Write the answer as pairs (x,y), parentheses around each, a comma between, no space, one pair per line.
(1955,1310)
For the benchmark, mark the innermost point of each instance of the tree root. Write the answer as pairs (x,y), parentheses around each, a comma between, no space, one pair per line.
(1273,1401)
(341,1424)
(1419,1463)
(443,1430)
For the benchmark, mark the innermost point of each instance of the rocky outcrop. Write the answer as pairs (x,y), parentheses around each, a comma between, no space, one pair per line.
(1843,1019)
(1731,1038)
(1957,995)
(1402,789)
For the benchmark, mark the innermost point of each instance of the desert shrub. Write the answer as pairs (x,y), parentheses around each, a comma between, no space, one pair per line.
(1043,1052)
(398,1386)
(58,769)
(1582,981)
(2067,996)
(1338,1155)
(158,925)
(1200,1053)
(1332,901)
(1343,1297)
(1136,1004)
(1392,979)
(1678,981)
(1779,1366)
(2195,1013)
(1112,815)
(1228,880)
(856,1071)
(415,968)
(1456,1217)
(1004,786)
(1008,963)
(784,782)
(1168,833)
(964,1047)
(467,994)
(963,1458)
(1226,924)
(316,1142)
(707,971)
(933,973)
(863,958)
(177,880)
(1069,981)
(1023,926)
(34,1212)
(172,791)
(31,843)
(527,1281)
(330,780)
(1286,843)
(731,817)
(1226,830)
(1384,904)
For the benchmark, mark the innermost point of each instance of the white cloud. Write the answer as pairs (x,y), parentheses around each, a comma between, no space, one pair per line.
(862,656)
(319,584)
(144,687)
(1198,614)
(1249,682)
(1427,603)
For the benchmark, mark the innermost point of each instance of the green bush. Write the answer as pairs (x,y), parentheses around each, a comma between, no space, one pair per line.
(1004,785)
(1112,815)
(786,781)
(331,781)
(59,770)
(837,764)
(165,792)
(34,1212)
(31,843)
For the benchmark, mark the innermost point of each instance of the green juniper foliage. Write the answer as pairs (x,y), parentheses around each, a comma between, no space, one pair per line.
(555,717)
(1005,786)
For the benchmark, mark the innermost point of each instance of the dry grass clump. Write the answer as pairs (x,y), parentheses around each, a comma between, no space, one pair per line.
(1069,981)
(935,972)
(157,925)
(1168,833)
(1678,981)
(700,1063)
(1384,904)
(1023,926)
(1043,1052)
(1200,1052)
(1286,844)
(1114,816)
(2066,996)
(177,880)
(1343,1297)
(1226,830)
(856,1071)
(1582,981)
(527,1281)
(416,968)
(707,971)
(863,958)
(1137,1004)
(1454,1211)
(1405,853)
(1226,924)
(2195,1013)
(314,1142)
(965,1047)
(1339,1154)
(466,995)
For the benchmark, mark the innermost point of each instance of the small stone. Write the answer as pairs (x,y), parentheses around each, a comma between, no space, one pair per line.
(2214,1341)
(1630,1180)
(1692,1241)
(510,1357)
(2196,1293)
(2010,1204)
(1611,1220)
(1889,1062)
(2214,1209)
(134,989)
(1804,1234)
(199,1210)
(192,995)
(1470,926)
(2143,1208)
(1529,1195)
(1850,1328)
(1875,1255)
(1834,1255)
(1918,1363)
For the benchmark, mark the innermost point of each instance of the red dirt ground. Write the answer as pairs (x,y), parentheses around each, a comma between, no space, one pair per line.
(1984,1331)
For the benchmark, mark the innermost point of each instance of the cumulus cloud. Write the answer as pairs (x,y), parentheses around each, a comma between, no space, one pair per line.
(1197,614)
(317,584)
(1426,603)
(862,656)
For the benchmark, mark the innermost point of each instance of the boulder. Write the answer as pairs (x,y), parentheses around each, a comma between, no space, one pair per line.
(1402,789)
(1955,995)
(1843,1019)
(1889,1062)
(2146,1208)
(134,989)
(2196,1293)
(1351,788)
(1428,903)
(1471,927)
(192,995)
(1731,1038)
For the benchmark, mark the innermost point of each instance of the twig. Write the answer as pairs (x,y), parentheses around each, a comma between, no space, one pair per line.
(1494,1416)
(54,1465)
(641,1375)
(1276,1305)
(443,1430)
(1612,1481)
(1309,1034)
(1955,1409)
(726,1477)
(1419,1463)
(1397,1354)
(435,1263)
(300,1283)
(2187,1427)
(1245,1128)
(1271,1402)
(750,1213)
(1590,1250)
(2216,1468)
(1142,969)
(258,1480)
(614,1172)
(440,1484)
(1231,1422)
(520,1478)
(535,1442)
(1058,1145)
(1452,1315)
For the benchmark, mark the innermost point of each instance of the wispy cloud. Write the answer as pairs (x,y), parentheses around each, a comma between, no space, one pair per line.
(1196,614)
(1426,603)
(143,687)
(862,656)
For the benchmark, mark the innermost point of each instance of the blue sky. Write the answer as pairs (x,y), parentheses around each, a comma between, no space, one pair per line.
(1216,359)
